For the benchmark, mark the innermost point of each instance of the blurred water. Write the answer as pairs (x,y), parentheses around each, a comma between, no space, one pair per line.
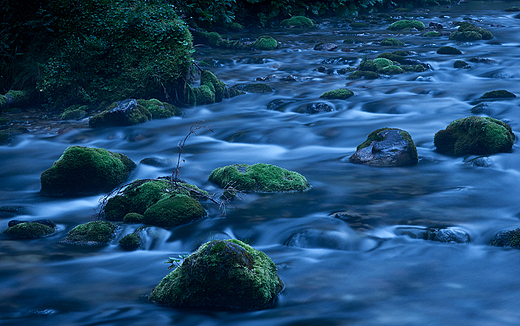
(352,270)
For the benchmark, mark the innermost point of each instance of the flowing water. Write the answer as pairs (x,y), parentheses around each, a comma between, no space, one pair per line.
(348,269)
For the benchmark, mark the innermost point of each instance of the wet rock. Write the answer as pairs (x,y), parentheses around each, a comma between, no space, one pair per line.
(406,25)
(475,135)
(483,162)
(435,25)
(481,108)
(221,274)
(339,61)
(297,22)
(313,108)
(156,161)
(259,177)
(130,242)
(75,112)
(85,171)
(266,43)
(280,104)
(391,42)
(337,94)
(29,230)
(502,93)
(460,64)
(432,34)
(289,78)
(445,235)
(386,147)
(325,46)
(468,32)
(482,60)
(174,211)
(507,238)
(254,88)
(91,233)
(448,50)
(358,74)
(512,9)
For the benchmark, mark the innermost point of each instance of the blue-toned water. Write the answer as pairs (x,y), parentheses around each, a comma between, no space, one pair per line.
(353,270)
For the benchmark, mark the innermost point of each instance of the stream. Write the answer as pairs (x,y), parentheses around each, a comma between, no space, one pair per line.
(337,246)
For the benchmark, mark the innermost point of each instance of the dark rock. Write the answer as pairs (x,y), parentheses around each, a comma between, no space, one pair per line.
(279,104)
(156,161)
(481,108)
(483,162)
(28,230)
(386,147)
(448,50)
(313,108)
(435,25)
(507,238)
(123,113)
(482,60)
(460,64)
(502,93)
(254,88)
(446,235)
(325,46)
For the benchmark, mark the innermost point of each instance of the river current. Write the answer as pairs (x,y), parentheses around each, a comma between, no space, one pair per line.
(352,268)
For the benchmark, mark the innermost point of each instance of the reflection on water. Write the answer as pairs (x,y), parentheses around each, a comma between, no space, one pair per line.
(334,245)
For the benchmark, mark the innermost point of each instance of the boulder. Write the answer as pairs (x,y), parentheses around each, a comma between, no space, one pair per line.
(359,74)
(29,230)
(123,113)
(475,135)
(325,46)
(85,171)
(460,64)
(254,88)
(259,177)
(91,233)
(507,238)
(130,242)
(406,25)
(266,43)
(468,32)
(221,274)
(298,22)
(174,211)
(448,50)
(386,147)
(391,42)
(502,93)
(337,94)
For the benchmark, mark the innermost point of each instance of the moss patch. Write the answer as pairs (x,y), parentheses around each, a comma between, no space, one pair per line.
(259,177)
(468,32)
(266,43)
(337,94)
(130,242)
(223,274)
(391,42)
(174,211)
(475,135)
(28,230)
(297,21)
(406,25)
(85,171)
(91,233)
(432,34)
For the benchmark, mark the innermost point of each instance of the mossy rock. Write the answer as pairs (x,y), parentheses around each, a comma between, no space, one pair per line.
(468,32)
(91,233)
(466,36)
(174,211)
(393,56)
(254,88)
(266,43)
(123,113)
(85,171)
(460,64)
(211,90)
(448,50)
(391,70)
(298,22)
(160,110)
(386,147)
(502,93)
(374,65)
(358,74)
(15,98)
(259,177)
(432,34)
(28,230)
(391,42)
(406,25)
(359,25)
(508,238)
(130,242)
(221,274)
(133,218)
(75,112)
(475,135)
(512,9)
(337,94)
(138,196)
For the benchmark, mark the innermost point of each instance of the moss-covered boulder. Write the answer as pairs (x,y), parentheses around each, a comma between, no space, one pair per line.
(475,135)
(386,147)
(391,70)
(468,32)
(75,112)
(211,90)
(130,242)
(133,218)
(297,22)
(29,230)
(174,211)
(15,98)
(337,94)
(138,196)
(394,56)
(406,25)
(259,177)
(221,274)
(501,93)
(391,42)
(85,171)
(507,238)
(91,233)
(266,43)
(432,34)
(359,74)
(448,50)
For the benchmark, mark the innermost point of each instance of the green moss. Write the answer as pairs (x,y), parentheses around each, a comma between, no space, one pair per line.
(358,74)
(460,64)
(337,94)
(469,32)
(467,36)
(392,56)
(28,230)
(224,274)
(160,110)
(174,211)
(406,25)
(391,70)
(75,112)
(502,93)
(415,68)
(391,42)
(432,34)
(91,233)
(259,177)
(133,218)
(266,43)
(122,113)
(85,171)
(475,135)
(448,50)
(130,242)
(217,86)
(297,21)
(214,39)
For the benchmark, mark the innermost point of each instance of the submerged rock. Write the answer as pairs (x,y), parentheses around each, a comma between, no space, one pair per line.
(280,104)
(91,233)
(507,238)
(460,64)
(313,108)
(29,230)
(174,211)
(221,274)
(446,235)
(325,46)
(259,177)
(85,171)
(475,135)
(386,147)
